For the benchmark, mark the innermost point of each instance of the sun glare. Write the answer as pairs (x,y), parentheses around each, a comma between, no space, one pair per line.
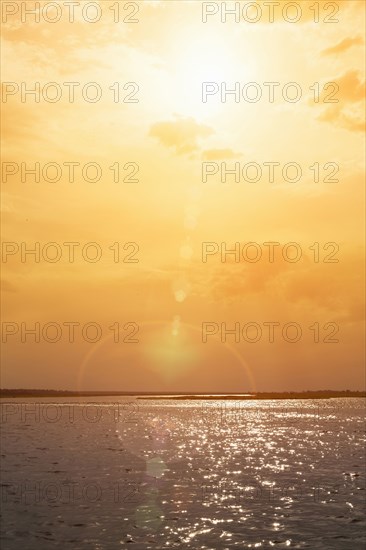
(205,58)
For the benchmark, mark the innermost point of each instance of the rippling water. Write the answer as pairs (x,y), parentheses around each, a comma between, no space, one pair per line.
(183,474)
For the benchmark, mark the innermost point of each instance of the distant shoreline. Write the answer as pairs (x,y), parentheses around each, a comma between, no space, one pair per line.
(321,394)
(300,395)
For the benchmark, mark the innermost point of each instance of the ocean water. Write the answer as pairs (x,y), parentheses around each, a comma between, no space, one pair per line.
(110,473)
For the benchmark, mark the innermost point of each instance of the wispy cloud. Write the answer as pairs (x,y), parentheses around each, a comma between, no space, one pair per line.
(343,45)
(182,134)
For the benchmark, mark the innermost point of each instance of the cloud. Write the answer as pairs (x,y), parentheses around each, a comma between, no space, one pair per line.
(231,282)
(181,134)
(339,118)
(217,154)
(343,45)
(283,288)
(351,87)
(6,286)
(348,112)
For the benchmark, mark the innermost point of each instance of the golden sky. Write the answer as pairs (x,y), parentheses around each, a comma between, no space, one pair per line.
(165,138)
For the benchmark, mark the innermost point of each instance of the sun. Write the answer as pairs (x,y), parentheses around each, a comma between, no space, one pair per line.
(170,355)
(206,57)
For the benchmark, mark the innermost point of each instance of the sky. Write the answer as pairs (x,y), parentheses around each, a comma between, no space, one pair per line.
(172,174)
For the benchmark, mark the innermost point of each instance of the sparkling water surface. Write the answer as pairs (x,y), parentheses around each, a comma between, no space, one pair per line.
(106,473)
